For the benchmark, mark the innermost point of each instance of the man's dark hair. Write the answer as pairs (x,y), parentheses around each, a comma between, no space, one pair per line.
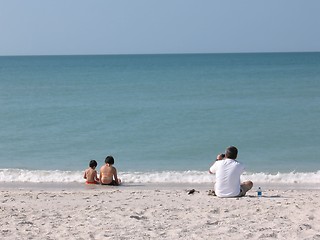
(232,152)
(93,163)
(109,160)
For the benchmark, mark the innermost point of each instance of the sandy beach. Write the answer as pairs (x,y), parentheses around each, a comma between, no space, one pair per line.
(140,212)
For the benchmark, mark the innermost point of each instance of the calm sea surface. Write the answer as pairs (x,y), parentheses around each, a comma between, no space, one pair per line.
(160,113)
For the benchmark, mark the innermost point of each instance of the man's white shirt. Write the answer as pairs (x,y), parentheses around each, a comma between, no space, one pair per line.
(228,173)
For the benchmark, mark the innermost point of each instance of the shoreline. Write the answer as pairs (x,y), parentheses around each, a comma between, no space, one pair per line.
(75,186)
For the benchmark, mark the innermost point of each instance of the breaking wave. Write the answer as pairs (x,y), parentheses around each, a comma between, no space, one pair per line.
(56,176)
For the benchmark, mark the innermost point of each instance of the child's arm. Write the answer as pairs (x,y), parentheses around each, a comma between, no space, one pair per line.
(85,175)
(115,176)
(96,176)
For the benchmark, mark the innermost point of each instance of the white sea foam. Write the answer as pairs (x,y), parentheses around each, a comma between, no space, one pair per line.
(46,176)
(39,176)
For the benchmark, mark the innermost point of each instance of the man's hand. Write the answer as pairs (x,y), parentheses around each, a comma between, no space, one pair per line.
(220,156)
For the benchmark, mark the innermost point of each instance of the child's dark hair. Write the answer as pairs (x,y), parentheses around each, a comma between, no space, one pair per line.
(93,163)
(222,155)
(109,160)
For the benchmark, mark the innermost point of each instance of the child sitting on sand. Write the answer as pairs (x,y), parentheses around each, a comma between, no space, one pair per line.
(91,174)
(108,173)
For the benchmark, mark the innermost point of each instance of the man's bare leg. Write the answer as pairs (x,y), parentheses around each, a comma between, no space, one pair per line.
(245,187)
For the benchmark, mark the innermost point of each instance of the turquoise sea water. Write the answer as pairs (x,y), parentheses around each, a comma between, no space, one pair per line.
(159,113)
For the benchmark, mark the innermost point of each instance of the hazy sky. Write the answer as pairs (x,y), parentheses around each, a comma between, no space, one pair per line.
(37,27)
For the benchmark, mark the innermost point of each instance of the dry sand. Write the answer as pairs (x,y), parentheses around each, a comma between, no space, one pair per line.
(138,212)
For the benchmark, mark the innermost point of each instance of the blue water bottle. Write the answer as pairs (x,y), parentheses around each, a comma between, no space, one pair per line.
(259,192)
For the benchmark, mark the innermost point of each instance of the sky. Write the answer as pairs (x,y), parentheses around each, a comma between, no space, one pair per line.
(63,27)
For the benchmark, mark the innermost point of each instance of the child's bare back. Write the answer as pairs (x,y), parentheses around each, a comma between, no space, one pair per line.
(108,173)
(90,174)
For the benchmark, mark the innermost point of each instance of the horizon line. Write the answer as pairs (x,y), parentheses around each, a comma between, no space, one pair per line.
(139,54)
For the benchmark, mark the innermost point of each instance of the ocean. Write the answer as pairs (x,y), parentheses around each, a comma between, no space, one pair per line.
(164,118)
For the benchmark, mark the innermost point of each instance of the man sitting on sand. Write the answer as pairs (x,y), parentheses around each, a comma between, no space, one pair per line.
(228,171)
(108,173)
